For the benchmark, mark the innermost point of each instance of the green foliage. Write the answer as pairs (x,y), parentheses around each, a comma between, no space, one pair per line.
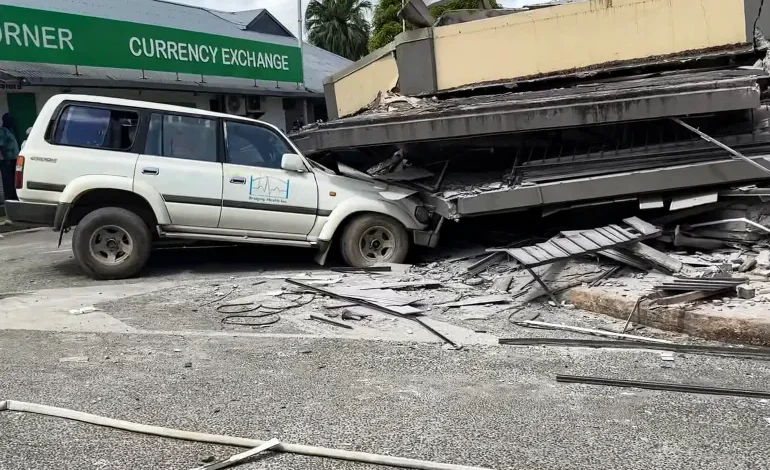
(386,23)
(339,26)
(438,10)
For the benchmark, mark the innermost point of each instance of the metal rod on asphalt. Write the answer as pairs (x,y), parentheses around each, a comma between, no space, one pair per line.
(755,353)
(577,329)
(669,387)
(719,144)
(636,306)
(547,290)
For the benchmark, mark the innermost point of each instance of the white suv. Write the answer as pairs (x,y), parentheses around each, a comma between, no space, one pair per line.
(129,172)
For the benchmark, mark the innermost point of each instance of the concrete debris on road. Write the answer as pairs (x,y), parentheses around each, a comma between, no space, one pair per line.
(83,310)
(74,359)
(489,299)
(330,321)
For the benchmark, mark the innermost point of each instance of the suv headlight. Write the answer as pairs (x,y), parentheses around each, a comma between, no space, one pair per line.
(423,214)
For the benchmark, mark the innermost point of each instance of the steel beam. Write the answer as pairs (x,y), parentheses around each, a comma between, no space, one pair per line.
(724,173)
(522,115)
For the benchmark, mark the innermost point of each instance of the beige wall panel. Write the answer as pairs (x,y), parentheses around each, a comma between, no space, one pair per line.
(581,35)
(360,88)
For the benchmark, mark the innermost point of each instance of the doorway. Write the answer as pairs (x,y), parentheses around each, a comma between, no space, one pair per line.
(23,109)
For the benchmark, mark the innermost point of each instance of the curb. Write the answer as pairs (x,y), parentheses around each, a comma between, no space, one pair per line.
(734,326)
(19,228)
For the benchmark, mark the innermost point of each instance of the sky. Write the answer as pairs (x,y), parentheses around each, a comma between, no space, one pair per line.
(286,10)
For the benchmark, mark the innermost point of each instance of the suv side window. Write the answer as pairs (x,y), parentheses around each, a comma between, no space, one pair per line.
(95,127)
(187,137)
(254,145)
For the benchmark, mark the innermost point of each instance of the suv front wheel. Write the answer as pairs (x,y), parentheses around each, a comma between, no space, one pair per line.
(370,239)
(111,243)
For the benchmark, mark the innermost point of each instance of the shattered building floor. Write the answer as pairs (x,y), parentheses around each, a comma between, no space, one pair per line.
(590,142)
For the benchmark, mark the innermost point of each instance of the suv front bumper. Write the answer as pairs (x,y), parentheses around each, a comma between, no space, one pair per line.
(427,238)
(31,212)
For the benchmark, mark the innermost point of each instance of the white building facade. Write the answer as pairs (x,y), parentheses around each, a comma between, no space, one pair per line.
(244,63)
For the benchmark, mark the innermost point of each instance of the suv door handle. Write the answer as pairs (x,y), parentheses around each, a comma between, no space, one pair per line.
(238,180)
(150,171)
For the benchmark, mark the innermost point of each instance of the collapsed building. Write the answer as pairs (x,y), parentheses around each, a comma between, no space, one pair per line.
(557,105)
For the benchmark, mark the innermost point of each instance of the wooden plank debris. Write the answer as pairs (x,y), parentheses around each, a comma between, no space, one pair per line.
(656,257)
(598,238)
(645,228)
(583,242)
(625,258)
(567,245)
(623,232)
(608,233)
(551,250)
(520,255)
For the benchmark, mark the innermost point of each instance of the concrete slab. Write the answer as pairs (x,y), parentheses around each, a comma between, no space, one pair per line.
(647,98)
(49,309)
(736,320)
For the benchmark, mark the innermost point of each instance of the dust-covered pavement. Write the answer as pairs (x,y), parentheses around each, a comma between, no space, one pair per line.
(157,355)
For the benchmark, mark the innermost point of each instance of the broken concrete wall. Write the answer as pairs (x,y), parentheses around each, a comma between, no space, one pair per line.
(544,41)
(581,35)
(355,87)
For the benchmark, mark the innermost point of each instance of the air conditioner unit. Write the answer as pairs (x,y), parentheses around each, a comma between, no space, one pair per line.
(253,104)
(234,105)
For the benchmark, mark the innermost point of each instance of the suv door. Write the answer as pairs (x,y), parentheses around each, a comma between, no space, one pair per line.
(257,194)
(180,161)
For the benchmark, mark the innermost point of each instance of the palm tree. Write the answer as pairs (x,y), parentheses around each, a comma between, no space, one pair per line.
(339,26)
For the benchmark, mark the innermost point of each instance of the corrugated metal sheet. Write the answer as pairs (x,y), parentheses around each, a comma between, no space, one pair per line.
(317,63)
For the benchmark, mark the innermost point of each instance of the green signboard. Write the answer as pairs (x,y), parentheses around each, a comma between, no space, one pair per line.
(29,35)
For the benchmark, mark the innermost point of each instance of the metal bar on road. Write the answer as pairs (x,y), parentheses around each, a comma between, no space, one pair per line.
(589,331)
(669,387)
(719,144)
(757,353)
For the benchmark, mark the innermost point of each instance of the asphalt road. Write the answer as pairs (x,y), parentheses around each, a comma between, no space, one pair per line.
(489,406)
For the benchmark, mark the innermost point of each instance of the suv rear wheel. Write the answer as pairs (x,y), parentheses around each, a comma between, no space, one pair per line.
(111,243)
(374,238)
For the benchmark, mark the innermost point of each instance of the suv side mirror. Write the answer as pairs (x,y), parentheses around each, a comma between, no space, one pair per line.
(293,162)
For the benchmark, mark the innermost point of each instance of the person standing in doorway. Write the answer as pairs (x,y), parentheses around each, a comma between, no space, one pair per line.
(9,150)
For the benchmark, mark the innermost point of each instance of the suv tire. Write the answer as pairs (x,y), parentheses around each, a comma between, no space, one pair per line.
(111,243)
(374,238)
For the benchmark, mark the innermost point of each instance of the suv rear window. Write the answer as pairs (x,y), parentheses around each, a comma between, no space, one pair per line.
(187,137)
(94,127)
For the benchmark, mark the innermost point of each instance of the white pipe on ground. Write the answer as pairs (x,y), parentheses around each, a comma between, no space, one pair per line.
(363,457)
